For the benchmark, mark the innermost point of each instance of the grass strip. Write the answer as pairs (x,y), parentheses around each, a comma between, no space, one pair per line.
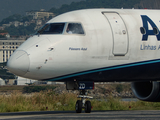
(49,100)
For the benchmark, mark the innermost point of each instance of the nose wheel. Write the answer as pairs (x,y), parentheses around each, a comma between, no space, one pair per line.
(88,107)
(78,106)
(83,104)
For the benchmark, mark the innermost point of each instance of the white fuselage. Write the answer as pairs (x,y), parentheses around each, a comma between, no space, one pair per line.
(112,40)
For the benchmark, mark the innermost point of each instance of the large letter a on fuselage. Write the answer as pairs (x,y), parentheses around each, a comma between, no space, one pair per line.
(146,20)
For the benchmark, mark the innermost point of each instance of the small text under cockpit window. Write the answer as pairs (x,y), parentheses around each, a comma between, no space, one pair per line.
(52,28)
(74,28)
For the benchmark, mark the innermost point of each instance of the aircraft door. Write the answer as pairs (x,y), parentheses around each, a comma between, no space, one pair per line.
(120,34)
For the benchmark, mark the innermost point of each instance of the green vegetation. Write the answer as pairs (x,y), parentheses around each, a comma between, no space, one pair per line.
(1,36)
(95,4)
(4,72)
(3,31)
(15,17)
(119,88)
(37,102)
(66,101)
(30,89)
(149,4)
(116,104)
(11,88)
(26,30)
(21,30)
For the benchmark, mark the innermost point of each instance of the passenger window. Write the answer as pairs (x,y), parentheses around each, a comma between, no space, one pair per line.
(155,31)
(143,30)
(75,28)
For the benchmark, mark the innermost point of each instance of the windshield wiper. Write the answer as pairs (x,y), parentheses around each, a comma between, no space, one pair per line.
(43,29)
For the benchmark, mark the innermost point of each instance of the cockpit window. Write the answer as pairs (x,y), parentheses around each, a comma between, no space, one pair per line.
(74,28)
(52,28)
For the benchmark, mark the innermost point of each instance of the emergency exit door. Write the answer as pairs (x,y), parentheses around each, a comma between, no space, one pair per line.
(119,32)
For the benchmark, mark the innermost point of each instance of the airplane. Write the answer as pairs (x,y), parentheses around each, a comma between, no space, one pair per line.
(83,47)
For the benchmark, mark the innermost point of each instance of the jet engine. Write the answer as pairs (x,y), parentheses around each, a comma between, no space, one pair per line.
(146,91)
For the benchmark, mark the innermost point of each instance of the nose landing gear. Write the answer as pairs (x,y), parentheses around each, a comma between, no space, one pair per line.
(82,86)
(83,104)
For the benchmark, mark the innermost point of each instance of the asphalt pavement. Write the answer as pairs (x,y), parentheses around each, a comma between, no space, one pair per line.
(94,115)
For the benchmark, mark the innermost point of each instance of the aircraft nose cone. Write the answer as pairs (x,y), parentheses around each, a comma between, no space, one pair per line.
(18,63)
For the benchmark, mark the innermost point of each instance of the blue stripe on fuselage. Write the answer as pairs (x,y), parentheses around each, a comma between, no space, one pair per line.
(104,69)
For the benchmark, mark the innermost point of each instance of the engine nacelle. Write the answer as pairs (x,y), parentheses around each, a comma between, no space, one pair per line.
(147,91)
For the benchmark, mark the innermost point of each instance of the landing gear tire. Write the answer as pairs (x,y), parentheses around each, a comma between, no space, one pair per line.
(78,106)
(83,104)
(87,107)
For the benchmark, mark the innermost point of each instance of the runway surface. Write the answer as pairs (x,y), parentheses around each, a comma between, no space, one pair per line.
(94,115)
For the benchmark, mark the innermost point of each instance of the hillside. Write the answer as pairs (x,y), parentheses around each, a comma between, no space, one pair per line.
(95,4)
(149,4)
(10,7)
(137,4)
(68,5)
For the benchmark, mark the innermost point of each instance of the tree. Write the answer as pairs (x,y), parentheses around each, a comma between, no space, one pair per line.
(119,88)
(95,4)
(1,36)
(26,18)
(15,17)
(3,31)
(21,30)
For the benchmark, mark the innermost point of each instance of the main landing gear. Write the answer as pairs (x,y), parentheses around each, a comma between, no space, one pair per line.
(80,104)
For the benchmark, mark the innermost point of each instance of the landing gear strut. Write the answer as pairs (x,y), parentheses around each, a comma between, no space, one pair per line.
(80,104)
(82,86)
